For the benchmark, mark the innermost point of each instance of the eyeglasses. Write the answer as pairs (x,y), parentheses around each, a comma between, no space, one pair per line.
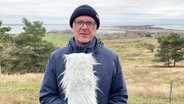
(79,23)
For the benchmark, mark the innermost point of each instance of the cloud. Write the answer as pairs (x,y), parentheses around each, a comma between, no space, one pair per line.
(117,12)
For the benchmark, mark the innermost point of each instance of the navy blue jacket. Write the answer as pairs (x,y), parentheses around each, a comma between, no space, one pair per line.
(111,81)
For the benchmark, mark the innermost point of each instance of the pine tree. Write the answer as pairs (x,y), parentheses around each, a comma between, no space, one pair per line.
(31,52)
(5,43)
(171,49)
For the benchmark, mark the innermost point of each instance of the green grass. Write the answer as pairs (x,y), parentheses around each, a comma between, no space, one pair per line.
(58,39)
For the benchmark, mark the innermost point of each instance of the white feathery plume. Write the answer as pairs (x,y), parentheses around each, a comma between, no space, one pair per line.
(79,82)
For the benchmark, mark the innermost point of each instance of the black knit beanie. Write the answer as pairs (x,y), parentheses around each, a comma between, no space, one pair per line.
(85,10)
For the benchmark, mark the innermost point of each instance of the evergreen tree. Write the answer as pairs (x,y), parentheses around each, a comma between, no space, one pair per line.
(171,49)
(31,52)
(3,30)
(5,43)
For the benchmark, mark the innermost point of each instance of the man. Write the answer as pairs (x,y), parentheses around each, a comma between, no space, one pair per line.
(111,87)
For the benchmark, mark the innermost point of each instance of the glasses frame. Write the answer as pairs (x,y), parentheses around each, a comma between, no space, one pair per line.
(80,23)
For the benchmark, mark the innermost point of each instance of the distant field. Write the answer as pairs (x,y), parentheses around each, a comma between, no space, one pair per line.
(58,39)
(146,79)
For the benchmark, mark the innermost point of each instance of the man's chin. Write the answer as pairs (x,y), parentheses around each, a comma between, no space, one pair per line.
(83,42)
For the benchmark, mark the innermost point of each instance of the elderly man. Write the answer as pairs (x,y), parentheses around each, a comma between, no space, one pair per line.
(85,71)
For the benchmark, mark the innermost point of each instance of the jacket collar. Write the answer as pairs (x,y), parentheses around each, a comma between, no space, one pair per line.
(93,47)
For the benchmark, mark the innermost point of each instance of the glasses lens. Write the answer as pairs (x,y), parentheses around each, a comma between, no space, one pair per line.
(90,24)
(79,23)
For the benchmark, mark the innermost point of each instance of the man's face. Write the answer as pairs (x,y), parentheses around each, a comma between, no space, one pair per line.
(84,28)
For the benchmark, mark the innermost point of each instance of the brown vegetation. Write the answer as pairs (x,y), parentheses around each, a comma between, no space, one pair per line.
(146,79)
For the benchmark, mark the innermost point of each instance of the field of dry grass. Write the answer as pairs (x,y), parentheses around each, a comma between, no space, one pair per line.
(20,89)
(146,79)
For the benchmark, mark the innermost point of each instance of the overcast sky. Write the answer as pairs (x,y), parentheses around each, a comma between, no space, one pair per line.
(113,12)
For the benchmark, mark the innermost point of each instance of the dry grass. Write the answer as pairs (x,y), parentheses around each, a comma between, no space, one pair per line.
(20,89)
(146,79)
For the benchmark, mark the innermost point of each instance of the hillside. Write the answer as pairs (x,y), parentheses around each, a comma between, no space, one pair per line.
(146,79)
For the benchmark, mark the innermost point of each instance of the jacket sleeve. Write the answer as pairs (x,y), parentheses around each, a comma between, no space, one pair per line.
(49,92)
(118,91)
